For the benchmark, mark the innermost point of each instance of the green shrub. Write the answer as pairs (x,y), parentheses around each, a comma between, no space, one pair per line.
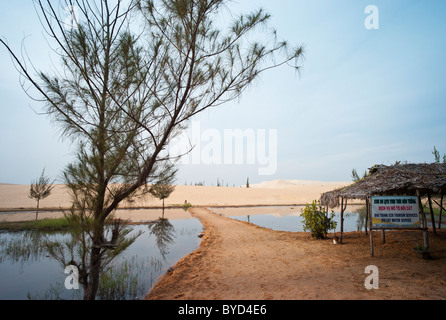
(317,221)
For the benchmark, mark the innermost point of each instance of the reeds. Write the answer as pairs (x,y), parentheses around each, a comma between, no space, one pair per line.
(126,280)
(23,246)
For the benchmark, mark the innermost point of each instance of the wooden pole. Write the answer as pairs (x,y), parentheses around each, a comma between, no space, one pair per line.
(342,215)
(439,204)
(423,215)
(366,214)
(441,211)
(432,213)
(342,219)
(369,212)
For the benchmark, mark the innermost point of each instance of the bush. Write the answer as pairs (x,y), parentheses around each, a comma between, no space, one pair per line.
(317,221)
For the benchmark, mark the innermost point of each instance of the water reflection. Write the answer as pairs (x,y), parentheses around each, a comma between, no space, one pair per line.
(28,272)
(289,219)
(25,266)
(164,233)
(26,247)
(361,218)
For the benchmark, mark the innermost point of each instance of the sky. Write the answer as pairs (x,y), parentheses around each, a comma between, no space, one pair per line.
(368,92)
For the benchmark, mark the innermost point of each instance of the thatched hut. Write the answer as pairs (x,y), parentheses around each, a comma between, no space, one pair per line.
(400,179)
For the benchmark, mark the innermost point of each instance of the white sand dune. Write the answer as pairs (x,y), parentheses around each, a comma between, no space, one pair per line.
(277,192)
(282,184)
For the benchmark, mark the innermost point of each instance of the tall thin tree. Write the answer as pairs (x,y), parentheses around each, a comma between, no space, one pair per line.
(124,90)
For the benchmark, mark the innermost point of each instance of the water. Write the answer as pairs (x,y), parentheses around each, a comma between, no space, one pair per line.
(27,271)
(287,218)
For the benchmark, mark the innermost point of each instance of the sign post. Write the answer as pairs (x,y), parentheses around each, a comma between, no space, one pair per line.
(396,213)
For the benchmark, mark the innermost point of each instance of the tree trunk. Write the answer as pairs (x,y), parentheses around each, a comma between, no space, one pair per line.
(37,210)
(95,272)
(163,208)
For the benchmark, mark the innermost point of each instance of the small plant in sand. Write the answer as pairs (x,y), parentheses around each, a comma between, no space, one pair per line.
(317,221)
(186,205)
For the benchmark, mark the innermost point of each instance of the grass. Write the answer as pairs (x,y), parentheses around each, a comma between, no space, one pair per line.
(37,225)
(436,211)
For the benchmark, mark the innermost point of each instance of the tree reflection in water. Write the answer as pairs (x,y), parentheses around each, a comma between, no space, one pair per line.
(361,222)
(164,233)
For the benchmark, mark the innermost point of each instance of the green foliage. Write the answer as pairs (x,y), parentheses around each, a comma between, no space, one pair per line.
(420,247)
(317,221)
(121,96)
(436,154)
(186,206)
(161,191)
(355,176)
(40,188)
(124,280)
(40,225)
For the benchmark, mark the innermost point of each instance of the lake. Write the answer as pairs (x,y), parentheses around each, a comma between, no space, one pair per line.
(285,218)
(28,272)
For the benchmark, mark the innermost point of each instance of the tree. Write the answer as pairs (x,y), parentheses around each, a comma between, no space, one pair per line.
(436,155)
(164,186)
(162,191)
(123,92)
(40,189)
(355,176)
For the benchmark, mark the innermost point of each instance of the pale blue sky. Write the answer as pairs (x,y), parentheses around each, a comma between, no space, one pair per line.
(362,97)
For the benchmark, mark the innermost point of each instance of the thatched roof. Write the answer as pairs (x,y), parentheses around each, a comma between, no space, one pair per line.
(399,179)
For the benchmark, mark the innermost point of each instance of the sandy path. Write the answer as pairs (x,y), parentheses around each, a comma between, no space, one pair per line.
(240,261)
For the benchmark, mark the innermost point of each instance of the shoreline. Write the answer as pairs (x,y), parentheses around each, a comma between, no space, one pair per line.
(41,210)
(237,260)
(276,193)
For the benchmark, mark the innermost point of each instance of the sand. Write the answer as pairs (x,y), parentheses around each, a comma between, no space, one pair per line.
(278,192)
(15,198)
(238,260)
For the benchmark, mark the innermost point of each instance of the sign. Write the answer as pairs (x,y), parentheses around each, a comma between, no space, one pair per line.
(395,212)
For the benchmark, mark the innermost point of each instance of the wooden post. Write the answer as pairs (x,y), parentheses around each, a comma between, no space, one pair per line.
(369,212)
(342,219)
(441,211)
(367,209)
(343,207)
(432,213)
(423,215)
